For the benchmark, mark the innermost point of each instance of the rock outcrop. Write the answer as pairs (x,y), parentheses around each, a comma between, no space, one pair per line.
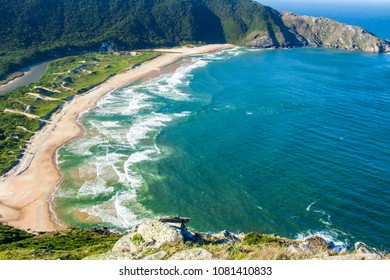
(299,31)
(155,240)
(153,234)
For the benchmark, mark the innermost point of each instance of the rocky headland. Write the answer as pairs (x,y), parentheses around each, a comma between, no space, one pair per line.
(155,240)
(302,31)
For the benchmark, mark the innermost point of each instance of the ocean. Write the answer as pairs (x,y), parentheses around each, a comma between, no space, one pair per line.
(289,142)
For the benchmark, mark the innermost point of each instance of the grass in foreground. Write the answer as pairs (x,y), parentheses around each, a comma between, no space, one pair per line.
(72,244)
(24,110)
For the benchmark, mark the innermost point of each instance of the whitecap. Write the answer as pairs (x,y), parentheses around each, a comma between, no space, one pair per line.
(144,125)
(85,146)
(330,236)
(182,114)
(94,188)
(310,205)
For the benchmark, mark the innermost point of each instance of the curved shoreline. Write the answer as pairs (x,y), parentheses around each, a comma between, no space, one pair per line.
(26,191)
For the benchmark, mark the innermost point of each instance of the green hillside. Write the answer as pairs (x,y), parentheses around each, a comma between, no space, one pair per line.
(32,30)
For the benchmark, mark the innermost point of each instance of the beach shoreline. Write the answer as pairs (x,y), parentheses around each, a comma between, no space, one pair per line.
(26,192)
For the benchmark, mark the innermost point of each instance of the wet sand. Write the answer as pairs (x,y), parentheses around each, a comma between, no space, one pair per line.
(26,191)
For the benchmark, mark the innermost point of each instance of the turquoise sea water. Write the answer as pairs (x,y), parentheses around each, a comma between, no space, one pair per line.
(292,142)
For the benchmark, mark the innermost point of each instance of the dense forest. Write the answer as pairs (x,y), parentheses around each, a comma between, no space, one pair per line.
(31,30)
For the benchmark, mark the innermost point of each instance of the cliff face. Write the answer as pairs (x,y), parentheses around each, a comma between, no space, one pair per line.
(298,31)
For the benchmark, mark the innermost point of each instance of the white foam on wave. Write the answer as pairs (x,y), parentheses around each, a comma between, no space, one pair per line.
(138,101)
(330,236)
(124,102)
(94,188)
(127,217)
(114,212)
(130,149)
(116,162)
(144,125)
(322,212)
(182,114)
(310,205)
(162,88)
(110,130)
(182,73)
(137,157)
(84,147)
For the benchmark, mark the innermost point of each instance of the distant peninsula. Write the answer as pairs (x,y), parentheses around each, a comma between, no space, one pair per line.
(33,31)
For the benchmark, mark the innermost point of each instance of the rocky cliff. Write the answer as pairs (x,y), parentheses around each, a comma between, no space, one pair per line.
(154,240)
(298,31)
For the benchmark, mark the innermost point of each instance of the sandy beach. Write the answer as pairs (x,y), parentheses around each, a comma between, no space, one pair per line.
(25,192)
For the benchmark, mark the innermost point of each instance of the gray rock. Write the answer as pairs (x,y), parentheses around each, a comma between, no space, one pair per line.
(365,252)
(314,245)
(298,31)
(294,249)
(125,244)
(225,236)
(192,254)
(156,256)
(160,233)
(317,242)
(154,234)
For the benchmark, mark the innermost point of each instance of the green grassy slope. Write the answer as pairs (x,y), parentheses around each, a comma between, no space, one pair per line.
(24,110)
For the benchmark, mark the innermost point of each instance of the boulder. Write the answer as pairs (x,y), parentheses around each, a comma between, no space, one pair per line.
(314,245)
(317,242)
(152,234)
(365,252)
(127,244)
(225,237)
(159,233)
(192,254)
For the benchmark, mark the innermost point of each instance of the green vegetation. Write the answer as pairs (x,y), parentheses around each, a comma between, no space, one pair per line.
(9,234)
(137,239)
(34,30)
(255,238)
(73,244)
(11,77)
(24,110)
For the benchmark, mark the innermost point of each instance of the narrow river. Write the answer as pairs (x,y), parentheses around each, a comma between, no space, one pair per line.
(31,74)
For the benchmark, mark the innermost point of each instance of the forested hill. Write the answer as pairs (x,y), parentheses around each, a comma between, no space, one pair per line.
(36,26)
(33,29)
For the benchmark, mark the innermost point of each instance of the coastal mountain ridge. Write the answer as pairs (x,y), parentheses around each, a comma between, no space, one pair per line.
(35,30)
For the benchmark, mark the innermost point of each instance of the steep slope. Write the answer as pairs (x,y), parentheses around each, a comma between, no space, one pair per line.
(30,30)
(318,32)
(34,29)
